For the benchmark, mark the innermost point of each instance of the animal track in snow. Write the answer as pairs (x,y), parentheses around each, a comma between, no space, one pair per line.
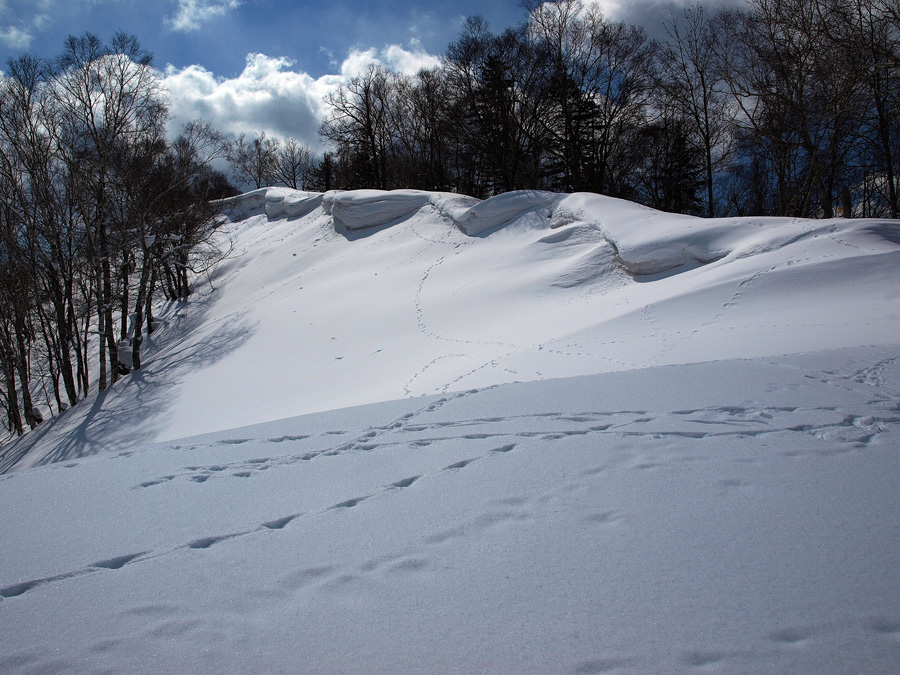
(700,423)
(884,625)
(118,562)
(282,439)
(701,658)
(459,465)
(350,503)
(828,423)
(406,482)
(206,542)
(791,636)
(280,523)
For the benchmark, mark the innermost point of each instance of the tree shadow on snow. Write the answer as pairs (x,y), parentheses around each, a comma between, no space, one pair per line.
(130,412)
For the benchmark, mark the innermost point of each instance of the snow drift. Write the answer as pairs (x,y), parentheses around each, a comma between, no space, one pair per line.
(354,297)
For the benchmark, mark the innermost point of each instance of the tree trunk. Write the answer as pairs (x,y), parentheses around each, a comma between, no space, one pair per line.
(22,368)
(101,333)
(14,414)
(139,304)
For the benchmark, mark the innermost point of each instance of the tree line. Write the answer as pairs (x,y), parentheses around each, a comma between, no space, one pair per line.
(784,107)
(101,214)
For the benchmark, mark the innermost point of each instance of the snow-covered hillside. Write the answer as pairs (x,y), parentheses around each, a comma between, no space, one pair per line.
(368,296)
(648,444)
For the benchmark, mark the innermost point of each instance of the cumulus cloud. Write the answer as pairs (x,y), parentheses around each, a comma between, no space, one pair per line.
(410,62)
(392,57)
(270,96)
(191,14)
(265,96)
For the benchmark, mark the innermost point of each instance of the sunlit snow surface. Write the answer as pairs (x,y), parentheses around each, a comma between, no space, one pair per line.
(715,491)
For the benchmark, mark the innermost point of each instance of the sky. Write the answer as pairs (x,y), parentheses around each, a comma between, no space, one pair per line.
(265,65)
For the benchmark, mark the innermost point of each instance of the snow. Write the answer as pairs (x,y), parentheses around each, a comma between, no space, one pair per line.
(414,432)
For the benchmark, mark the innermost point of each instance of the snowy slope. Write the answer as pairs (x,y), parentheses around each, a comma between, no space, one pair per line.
(648,444)
(352,298)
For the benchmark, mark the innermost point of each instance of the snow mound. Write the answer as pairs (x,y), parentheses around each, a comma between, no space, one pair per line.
(361,209)
(592,258)
(503,209)
(290,203)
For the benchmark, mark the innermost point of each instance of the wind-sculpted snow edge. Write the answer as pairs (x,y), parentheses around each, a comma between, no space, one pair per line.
(646,241)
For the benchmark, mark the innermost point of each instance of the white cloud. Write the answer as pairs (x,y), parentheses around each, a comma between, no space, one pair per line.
(23,20)
(393,57)
(16,38)
(610,8)
(20,24)
(191,14)
(268,95)
(410,62)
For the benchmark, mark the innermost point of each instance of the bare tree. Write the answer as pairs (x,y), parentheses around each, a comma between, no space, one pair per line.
(253,162)
(293,165)
(107,96)
(495,81)
(358,125)
(598,77)
(796,93)
(689,74)
(867,32)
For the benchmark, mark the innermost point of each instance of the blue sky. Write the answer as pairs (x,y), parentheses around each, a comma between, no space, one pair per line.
(266,65)
(218,34)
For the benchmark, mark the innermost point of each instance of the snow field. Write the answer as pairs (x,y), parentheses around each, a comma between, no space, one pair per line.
(410,432)
(737,516)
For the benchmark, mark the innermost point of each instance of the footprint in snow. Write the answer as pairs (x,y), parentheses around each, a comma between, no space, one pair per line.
(458,465)
(280,523)
(603,518)
(885,625)
(793,635)
(206,542)
(118,562)
(410,565)
(699,657)
(406,482)
(349,504)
